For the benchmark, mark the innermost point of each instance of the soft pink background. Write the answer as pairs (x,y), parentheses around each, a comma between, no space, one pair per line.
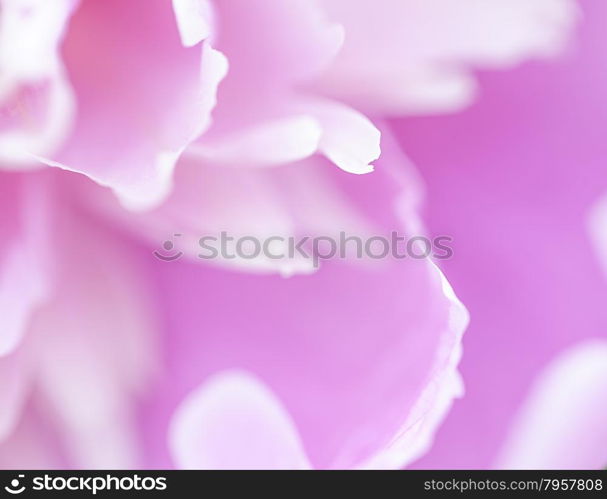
(512,179)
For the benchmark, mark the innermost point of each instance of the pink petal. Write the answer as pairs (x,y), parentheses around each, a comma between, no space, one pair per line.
(15,382)
(94,344)
(410,56)
(268,143)
(597,229)
(32,445)
(366,375)
(303,198)
(272,44)
(233,421)
(24,251)
(36,103)
(135,116)
(268,120)
(561,425)
(290,129)
(25,276)
(349,139)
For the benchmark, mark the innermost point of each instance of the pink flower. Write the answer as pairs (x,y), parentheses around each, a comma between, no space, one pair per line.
(124,122)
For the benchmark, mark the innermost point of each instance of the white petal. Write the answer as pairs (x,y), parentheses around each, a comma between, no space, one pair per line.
(233,421)
(36,101)
(412,56)
(194,19)
(349,139)
(269,143)
(562,423)
(95,346)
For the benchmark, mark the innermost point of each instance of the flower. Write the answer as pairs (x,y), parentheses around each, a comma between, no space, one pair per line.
(122,122)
